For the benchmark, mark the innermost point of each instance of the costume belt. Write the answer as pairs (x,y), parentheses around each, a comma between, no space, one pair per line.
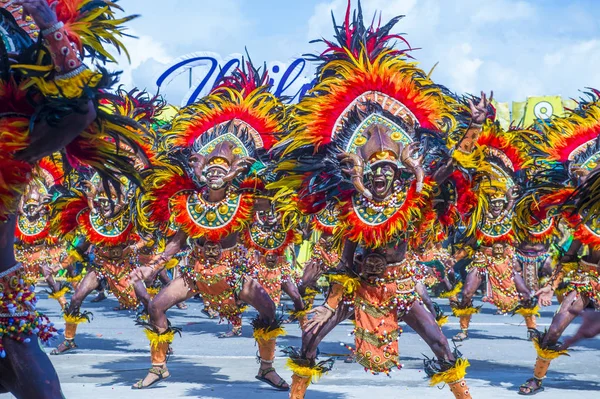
(109,253)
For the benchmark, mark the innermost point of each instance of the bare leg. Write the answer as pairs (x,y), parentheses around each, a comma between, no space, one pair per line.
(142,294)
(87,285)
(472,282)
(174,293)
(27,372)
(291,290)
(570,307)
(424,324)
(422,291)
(521,287)
(54,286)
(255,295)
(311,340)
(311,273)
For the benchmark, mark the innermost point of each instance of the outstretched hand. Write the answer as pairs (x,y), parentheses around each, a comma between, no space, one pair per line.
(320,315)
(43,14)
(479,110)
(545,295)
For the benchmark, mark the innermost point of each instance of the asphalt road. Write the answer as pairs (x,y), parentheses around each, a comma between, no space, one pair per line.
(113,354)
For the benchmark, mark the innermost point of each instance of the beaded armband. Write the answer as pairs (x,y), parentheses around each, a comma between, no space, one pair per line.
(18,316)
(71,75)
(63,52)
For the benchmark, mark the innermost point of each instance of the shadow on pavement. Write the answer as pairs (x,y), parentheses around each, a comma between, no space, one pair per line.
(499,374)
(246,390)
(127,372)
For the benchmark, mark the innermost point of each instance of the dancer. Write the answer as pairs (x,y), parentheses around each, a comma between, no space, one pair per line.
(221,137)
(492,238)
(48,98)
(365,118)
(574,166)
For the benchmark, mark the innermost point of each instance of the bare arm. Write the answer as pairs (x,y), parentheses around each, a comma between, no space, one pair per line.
(46,139)
(173,246)
(545,294)
(468,142)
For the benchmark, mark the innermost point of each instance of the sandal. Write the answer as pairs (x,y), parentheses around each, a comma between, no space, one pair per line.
(279,386)
(236,332)
(161,372)
(211,314)
(461,336)
(67,344)
(531,390)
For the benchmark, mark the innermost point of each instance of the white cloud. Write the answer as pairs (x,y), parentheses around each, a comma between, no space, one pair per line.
(517,48)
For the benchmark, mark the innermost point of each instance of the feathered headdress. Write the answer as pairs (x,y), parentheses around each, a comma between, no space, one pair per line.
(365,87)
(238,120)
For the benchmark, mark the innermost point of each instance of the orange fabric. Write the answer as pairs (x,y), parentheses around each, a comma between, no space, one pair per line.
(299,386)
(216,282)
(117,276)
(266,349)
(530,321)
(70,330)
(377,307)
(335,295)
(464,322)
(541,368)
(460,389)
(271,278)
(501,288)
(158,353)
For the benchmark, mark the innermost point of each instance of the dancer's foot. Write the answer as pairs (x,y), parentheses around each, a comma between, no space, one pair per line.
(155,374)
(461,336)
(181,306)
(65,346)
(100,297)
(211,314)
(120,308)
(531,387)
(268,375)
(235,332)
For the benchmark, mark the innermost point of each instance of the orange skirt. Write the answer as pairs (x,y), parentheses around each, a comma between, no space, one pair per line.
(217,283)
(117,276)
(377,309)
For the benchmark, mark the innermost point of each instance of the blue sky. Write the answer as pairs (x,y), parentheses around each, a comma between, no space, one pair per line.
(516,48)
